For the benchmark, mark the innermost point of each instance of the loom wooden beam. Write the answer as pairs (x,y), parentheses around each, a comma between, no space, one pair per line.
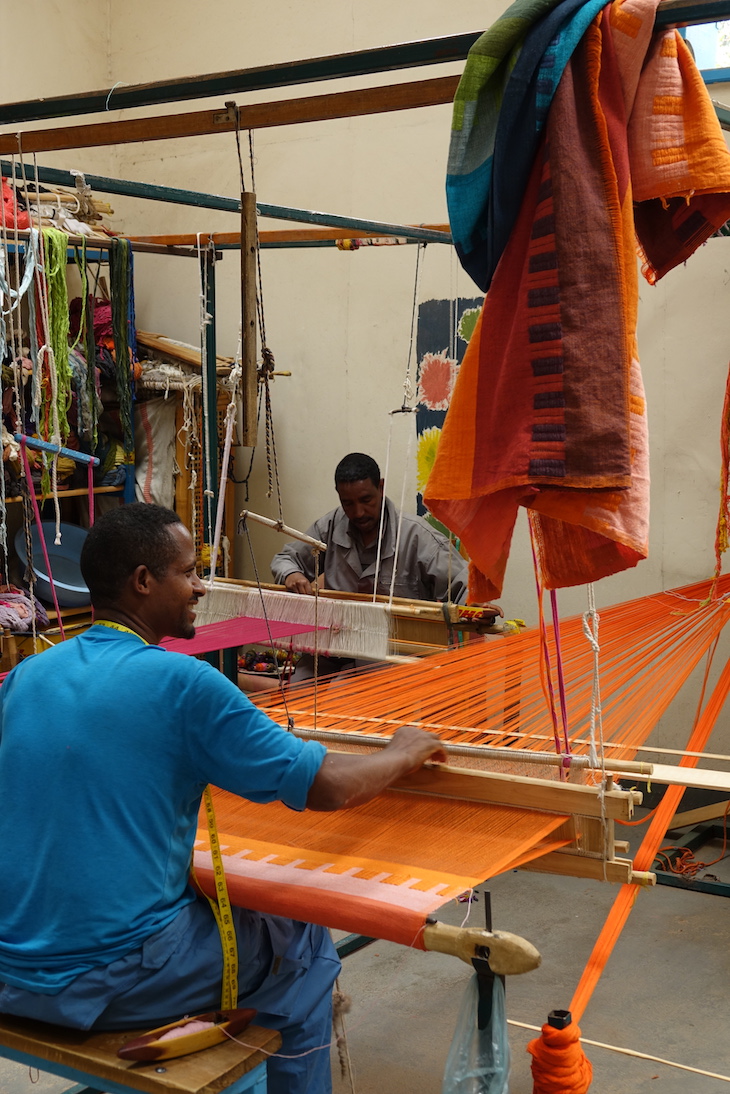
(287,235)
(524,792)
(249,379)
(700,815)
(566,863)
(507,953)
(699,777)
(198,123)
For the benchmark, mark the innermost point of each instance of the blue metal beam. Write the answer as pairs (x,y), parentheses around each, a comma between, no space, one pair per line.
(53,176)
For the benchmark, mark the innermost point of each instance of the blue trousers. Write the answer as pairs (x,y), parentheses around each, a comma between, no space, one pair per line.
(286,972)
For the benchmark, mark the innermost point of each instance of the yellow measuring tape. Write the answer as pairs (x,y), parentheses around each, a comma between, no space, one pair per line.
(220,905)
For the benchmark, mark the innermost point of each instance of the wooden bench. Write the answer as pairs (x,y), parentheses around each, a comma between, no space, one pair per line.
(91,1060)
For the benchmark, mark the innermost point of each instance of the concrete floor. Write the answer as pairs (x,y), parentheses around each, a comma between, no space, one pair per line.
(665,992)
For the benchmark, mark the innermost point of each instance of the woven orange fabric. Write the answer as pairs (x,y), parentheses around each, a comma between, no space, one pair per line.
(559,1065)
(379,869)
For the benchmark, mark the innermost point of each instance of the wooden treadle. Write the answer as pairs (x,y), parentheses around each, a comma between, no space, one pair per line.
(207,1072)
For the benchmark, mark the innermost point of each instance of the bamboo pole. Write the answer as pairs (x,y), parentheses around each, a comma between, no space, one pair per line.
(511,755)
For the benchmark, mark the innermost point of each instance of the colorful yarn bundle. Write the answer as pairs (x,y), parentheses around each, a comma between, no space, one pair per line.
(559,1065)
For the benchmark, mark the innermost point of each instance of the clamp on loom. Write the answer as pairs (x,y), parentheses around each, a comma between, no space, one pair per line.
(491,953)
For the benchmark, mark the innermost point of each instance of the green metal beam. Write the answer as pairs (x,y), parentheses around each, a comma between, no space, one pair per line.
(126,188)
(431,51)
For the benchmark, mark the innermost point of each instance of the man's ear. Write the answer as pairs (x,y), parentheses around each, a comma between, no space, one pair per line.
(140,580)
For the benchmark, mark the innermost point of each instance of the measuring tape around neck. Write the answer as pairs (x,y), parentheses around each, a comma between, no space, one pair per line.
(119,627)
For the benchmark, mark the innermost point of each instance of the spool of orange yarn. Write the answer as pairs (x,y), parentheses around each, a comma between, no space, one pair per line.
(559,1065)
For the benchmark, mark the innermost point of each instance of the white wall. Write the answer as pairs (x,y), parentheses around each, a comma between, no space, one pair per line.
(338,321)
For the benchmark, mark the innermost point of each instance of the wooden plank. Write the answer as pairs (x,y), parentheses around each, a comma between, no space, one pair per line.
(516,790)
(96,1055)
(700,777)
(311,108)
(699,816)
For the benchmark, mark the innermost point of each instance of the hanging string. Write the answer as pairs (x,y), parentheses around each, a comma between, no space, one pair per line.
(205,320)
(406,407)
(545,669)
(591,620)
(268,363)
(243,526)
(120,252)
(41,536)
(559,669)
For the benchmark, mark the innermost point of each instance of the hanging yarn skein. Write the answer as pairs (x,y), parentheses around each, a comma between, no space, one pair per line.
(559,1065)
(55,244)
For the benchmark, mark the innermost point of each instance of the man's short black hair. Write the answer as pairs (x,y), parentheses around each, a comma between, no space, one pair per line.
(123,539)
(356,466)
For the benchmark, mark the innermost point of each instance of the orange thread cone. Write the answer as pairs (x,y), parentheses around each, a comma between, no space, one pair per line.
(559,1065)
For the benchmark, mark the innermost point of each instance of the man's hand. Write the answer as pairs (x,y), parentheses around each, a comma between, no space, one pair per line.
(298,583)
(418,744)
(345,779)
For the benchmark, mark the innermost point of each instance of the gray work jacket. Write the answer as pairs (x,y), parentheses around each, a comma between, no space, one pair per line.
(423,568)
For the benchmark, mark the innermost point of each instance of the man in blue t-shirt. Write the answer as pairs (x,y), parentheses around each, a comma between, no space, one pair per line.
(107,742)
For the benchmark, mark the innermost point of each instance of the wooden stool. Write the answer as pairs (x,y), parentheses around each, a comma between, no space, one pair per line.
(91,1058)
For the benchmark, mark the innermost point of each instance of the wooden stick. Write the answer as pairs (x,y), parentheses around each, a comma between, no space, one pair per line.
(284,235)
(187,354)
(513,755)
(246,514)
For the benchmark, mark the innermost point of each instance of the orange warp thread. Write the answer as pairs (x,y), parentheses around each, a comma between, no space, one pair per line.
(559,1065)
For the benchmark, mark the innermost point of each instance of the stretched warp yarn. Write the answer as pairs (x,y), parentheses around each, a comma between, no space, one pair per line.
(530,423)
(490,693)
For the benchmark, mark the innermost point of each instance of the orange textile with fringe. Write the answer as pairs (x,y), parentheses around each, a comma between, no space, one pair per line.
(548,408)
(379,869)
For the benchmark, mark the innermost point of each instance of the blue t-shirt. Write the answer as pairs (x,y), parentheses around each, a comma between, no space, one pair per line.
(106,745)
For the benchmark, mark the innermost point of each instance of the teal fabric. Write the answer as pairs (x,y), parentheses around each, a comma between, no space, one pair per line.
(501,104)
(106,745)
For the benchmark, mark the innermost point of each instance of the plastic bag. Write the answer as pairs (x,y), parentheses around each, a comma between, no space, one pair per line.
(478,1060)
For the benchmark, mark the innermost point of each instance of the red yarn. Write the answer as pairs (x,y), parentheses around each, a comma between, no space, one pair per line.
(559,1065)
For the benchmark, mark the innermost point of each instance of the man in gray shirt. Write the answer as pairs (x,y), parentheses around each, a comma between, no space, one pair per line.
(427,566)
